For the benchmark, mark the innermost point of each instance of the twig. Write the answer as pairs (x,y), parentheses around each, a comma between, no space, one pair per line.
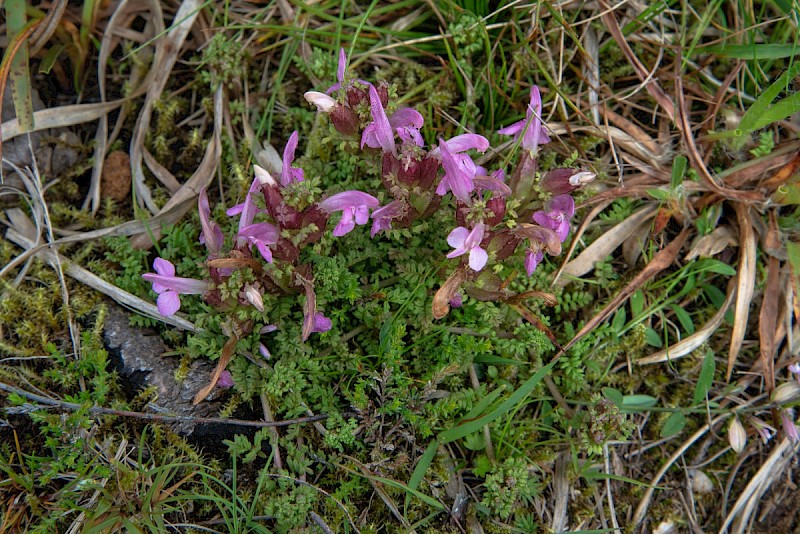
(156,417)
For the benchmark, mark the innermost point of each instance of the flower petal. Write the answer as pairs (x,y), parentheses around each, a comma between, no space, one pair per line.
(406,117)
(168,303)
(457,237)
(564,204)
(164,267)
(477,258)
(346,199)
(383,130)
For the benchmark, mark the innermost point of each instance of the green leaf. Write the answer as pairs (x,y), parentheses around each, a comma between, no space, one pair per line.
(705,379)
(19,72)
(614,395)
(714,266)
(506,406)
(637,304)
(684,318)
(673,425)
(652,338)
(430,501)
(660,194)
(620,318)
(637,403)
(678,171)
(782,109)
(753,51)
(421,468)
(759,108)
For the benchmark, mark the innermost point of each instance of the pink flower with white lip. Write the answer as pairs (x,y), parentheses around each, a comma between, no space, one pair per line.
(169,287)
(354,206)
(531,127)
(469,242)
(559,210)
(291,174)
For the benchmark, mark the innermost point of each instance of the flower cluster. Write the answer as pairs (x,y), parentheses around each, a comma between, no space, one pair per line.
(275,224)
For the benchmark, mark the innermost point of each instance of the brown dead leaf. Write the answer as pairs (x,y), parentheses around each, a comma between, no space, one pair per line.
(770,306)
(441,300)
(746,282)
(224,358)
(604,245)
(712,244)
(660,261)
(650,83)
(690,344)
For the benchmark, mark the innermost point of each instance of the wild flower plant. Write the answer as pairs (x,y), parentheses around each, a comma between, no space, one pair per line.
(417,180)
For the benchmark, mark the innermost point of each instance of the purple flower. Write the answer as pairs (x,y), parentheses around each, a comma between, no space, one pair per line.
(261,235)
(541,240)
(354,206)
(211,235)
(465,241)
(459,171)
(340,70)
(168,286)
(290,174)
(794,369)
(764,431)
(321,323)
(382,217)
(559,210)
(225,380)
(533,131)
(378,133)
(532,260)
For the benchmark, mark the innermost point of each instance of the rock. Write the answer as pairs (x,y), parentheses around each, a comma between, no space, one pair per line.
(137,355)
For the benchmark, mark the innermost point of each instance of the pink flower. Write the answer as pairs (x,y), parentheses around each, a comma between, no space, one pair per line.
(459,169)
(469,242)
(532,260)
(291,174)
(262,235)
(559,210)
(340,70)
(378,133)
(225,380)
(354,206)
(168,286)
(382,217)
(531,127)
(321,323)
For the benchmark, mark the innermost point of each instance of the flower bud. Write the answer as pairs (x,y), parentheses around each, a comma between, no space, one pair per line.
(323,102)
(254,297)
(344,120)
(225,380)
(789,428)
(786,392)
(737,436)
